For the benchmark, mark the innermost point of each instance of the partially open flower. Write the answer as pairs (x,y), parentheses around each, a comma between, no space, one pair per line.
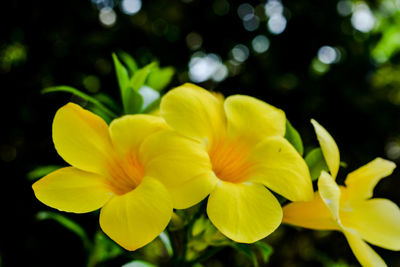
(349,208)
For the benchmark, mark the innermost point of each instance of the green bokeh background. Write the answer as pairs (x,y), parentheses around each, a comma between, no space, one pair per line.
(51,43)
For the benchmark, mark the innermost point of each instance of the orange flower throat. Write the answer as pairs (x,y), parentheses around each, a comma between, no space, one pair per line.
(126,174)
(230,160)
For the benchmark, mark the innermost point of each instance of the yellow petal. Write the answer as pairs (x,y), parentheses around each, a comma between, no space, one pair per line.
(81,138)
(312,214)
(253,119)
(128,132)
(329,148)
(330,194)
(376,220)
(193,112)
(181,164)
(193,191)
(279,166)
(364,253)
(72,190)
(361,182)
(136,218)
(244,212)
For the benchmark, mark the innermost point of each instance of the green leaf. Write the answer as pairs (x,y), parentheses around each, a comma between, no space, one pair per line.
(90,99)
(316,163)
(293,136)
(129,61)
(159,78)
(139,78)
(246,250)
(109,102)
(265,249)
(134,102)
(137,263)
(41,171)
(123,81)
(67,223)
(104,249)
(153,106)
(167,242)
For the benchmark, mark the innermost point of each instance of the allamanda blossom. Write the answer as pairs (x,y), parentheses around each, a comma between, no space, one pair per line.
(246,153)
(349,208)
(118,169)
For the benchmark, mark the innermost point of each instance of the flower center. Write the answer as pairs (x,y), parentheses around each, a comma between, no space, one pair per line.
(126,174)
(229,159)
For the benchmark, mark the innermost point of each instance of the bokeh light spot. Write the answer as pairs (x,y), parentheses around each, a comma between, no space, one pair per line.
(240,53)
(344,7)
(244,10)
(131,7)
(328,54)
(362,18)
(251,22)
(277,24)
(107,16)
(220,7)
(194,40)
(203,67)
(273,7)
(260,43)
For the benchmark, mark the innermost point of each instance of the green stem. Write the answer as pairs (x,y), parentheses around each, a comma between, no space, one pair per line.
(209,253)
(187,228)
(94,101)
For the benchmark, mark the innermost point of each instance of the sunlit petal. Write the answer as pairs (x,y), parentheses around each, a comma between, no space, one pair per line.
(330,194)
(376,220)
(244,212)
(193,112)
(252,118)
(279,166)
(128,132)
(364,253)
(73,190)
(81,138)
(329,148)
(311,214)
(361,182)
(136,218)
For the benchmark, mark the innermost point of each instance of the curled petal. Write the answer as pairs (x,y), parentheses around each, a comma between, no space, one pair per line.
(376,220)
(330,194)
(361,182)
(364,253)
(329,148)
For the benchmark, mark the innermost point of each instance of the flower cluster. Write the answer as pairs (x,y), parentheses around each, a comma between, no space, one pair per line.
(233,151)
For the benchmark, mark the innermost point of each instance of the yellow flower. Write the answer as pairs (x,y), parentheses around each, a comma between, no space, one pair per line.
(118,169)
(349,208)
(246,152)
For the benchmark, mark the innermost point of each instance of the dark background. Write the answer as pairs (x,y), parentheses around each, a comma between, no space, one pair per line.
(63,42)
